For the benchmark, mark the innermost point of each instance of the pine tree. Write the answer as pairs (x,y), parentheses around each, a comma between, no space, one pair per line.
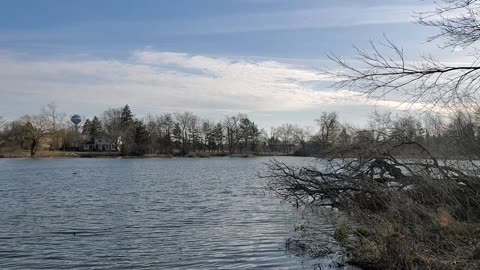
(127,117)
(86,127)
(127,124)
(141,137)
(95,128)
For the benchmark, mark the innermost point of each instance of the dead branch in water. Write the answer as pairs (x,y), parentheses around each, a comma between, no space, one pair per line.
(422,210)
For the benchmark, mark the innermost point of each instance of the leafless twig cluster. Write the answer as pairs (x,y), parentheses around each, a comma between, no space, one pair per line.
(426,82)
(384,70)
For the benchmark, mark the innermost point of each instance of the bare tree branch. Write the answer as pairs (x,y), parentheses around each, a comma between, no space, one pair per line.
(427,81)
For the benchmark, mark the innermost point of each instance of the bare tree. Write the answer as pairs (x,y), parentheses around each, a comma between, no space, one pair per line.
(302,136)
(187,123)
(434,130)
(232,126)
(374,187)
(166,125)
(377,190)
(457,21)
(35,128)
(206,133)
(286,133)
(328,123)
(152,126)
(383,69)
(427,83)
(56,120)
(408,127)
(112,125)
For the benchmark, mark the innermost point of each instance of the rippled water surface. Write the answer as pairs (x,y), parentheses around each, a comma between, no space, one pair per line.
(142,214)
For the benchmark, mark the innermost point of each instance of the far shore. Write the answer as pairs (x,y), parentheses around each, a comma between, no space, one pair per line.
(77,154)
(199,154)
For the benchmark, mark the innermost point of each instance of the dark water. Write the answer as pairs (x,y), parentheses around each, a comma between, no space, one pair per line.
(143,214)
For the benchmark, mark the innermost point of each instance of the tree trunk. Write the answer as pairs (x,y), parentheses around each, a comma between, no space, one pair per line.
(33,148)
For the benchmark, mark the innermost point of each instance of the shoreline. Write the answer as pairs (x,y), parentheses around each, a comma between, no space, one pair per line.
(79,154)
(76,154)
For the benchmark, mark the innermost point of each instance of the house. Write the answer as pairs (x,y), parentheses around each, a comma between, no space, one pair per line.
(97,144)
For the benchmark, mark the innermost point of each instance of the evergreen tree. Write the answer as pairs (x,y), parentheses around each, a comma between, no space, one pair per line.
(255,137)
(127,124)
(141,137)
(249,134)
(86,127)
(127,117)
(92,128)
(95,128)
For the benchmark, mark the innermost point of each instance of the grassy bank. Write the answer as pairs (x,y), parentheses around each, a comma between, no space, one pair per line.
(58,154)
(76,154)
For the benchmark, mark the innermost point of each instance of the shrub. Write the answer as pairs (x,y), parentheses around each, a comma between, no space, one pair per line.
(410,214)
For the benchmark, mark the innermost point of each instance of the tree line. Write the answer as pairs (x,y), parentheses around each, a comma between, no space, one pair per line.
(185,132)
(165,133)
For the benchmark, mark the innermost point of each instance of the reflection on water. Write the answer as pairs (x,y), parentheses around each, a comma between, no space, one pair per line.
(143,213)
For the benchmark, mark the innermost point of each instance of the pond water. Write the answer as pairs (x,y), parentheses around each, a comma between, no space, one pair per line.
(144,214)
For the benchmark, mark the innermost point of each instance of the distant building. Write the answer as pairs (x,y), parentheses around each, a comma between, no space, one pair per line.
(97,144)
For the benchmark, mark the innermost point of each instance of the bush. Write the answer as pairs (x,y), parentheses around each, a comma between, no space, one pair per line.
(410,214)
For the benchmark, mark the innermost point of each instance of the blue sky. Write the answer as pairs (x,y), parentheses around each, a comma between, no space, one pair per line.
(259,57)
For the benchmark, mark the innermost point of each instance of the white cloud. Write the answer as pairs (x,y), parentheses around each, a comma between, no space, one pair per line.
(171,82)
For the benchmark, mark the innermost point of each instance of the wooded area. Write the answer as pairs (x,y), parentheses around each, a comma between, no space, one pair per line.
(454,135)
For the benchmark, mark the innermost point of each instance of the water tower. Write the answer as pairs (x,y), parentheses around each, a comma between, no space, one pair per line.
(76,119)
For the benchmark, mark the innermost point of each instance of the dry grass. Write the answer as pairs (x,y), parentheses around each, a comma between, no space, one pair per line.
(57,154)
(410,215)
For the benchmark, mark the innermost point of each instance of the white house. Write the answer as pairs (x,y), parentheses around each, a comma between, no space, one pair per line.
(98,144)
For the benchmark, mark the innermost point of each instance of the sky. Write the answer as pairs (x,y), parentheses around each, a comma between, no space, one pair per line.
(265,58)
